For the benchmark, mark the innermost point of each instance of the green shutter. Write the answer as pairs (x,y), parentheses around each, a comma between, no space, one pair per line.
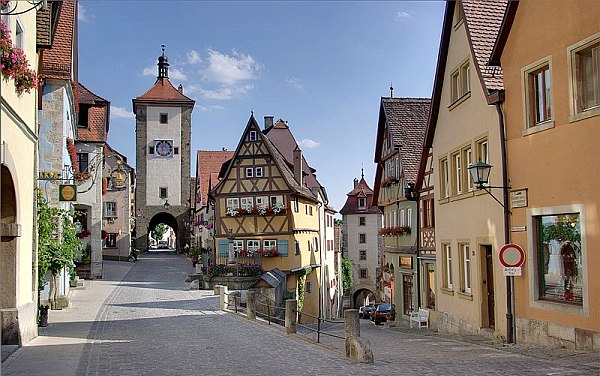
(223,247)
(282,247)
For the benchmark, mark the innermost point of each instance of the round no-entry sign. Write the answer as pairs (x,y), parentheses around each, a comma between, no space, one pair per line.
(512,255)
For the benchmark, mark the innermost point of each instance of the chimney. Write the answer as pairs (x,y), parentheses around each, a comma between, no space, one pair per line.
(298,165)
(180,88)
(355,182)
(268,121)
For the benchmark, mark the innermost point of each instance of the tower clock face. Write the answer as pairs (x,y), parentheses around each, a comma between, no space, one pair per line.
(164,148)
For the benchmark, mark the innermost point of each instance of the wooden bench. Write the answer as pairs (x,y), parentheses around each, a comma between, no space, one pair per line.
(421,317)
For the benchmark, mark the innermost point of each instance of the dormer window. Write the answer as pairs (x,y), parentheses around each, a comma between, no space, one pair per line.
(83,119)
(252,136)
(362,203)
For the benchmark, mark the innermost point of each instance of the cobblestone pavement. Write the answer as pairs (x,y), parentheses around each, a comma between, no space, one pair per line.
(149,324)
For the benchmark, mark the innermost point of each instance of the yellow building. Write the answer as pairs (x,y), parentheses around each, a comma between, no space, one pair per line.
(266,211)
(550,55)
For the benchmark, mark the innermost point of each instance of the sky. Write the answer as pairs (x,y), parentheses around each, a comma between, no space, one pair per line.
(321,66)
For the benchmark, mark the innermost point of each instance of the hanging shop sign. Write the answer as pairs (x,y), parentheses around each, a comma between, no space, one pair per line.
(67,192)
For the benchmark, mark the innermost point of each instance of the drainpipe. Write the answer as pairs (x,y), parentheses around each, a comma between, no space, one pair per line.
(509,280)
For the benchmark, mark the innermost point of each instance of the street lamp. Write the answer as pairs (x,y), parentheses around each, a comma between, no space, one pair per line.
(166,205)
(480,173)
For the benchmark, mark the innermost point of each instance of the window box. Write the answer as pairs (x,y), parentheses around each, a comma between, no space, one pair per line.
(395,231)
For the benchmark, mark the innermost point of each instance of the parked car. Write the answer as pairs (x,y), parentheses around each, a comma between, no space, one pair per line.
(373,311)
(380,312)
(364,312)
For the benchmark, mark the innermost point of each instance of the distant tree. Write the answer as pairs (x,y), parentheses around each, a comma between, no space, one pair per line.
(338,222)
(346,274)
(159,231)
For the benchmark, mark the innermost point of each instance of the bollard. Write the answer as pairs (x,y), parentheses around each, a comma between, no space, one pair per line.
(357,349)
(351,323)
(250,310)
(216,289)
(291,316)
(223,297)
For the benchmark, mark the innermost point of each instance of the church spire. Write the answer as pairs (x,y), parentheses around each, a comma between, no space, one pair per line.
(163,65)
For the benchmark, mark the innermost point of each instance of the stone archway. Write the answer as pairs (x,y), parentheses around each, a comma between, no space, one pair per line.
(170,221)
(8,260)
(360,295)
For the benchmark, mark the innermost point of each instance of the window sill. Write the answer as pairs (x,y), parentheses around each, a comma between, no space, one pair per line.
(594,111)
(538,128)
(460,100)
(447,291)
(465,295)
(444,200)
(462,196)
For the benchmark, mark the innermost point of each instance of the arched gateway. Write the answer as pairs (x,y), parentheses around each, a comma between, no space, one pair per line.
(163,136)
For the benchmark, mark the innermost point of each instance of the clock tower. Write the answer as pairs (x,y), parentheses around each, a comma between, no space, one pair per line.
(163,122)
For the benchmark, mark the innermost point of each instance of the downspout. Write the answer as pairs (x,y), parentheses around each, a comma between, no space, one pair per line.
(322,284)
(509,280)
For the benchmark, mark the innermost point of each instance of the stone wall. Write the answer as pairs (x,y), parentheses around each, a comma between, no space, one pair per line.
(547,334)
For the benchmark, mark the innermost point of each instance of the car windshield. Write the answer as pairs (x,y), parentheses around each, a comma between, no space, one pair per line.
(384,307)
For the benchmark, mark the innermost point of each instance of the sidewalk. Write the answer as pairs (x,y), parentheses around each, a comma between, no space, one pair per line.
(68,328)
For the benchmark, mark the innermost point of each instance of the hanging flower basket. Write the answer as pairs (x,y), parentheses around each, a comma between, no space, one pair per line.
(268,252)
(254,210)
(14,64)
(72,154)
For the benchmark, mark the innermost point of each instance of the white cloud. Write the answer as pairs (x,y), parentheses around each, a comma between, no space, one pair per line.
(193,57)
(402,14)
(226,92)
(150,71)
(82,14)
(120,112)
(309,144)
(228,69)
(177,74)
(295,83)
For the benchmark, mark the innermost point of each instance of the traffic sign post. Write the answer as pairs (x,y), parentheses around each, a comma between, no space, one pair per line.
(512,256)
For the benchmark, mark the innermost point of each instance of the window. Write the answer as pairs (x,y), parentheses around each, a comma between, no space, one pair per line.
(297,247)
(362,221)
(252,136)
(460,82)
(82,161)
(310,210)
(466,268)
(252,245)
(584,60)
(296,205)
(362,255)
(83,116)
(238,245)
(19,35)
(164,118)
(458,14)
(81,216)
(258,172)
(269,244)
(458,169)
(362,238)
(249,172)
(482,151)
(246,203)
(262,201)
(364,273)
(409,217)
(447,255)
(308,287)
(537,96)
(559,257)
(110,209)
(151,150)
(163,192)
(362,203)
(276,200)
(111,240)
(444,183)
(402,218)
(468,160)
(233,203)
(176,150)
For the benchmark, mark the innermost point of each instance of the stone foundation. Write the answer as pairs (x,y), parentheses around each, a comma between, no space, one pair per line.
(19,325)
(547,334)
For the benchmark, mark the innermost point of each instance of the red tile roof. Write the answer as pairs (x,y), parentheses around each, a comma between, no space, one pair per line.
(361,190)
(207,169)
(60,61)
(483,20)
(163,90)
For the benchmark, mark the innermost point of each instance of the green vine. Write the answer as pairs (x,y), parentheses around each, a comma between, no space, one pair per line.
(302,273)
(54,253)
(346,274)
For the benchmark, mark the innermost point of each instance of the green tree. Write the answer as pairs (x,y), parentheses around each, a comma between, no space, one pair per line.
(58,244)
(158,231)
(346,274)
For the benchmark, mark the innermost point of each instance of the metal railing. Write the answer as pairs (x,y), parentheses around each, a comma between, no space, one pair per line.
(319,330)
(272,313)
(239,307)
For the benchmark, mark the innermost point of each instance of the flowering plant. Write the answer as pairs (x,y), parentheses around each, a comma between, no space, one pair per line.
(389,181)
(244,270)
(263,210)
(268,252)
(83,234)
(104,186)
(13,63)
(72,154)
(395,231)
(104,235)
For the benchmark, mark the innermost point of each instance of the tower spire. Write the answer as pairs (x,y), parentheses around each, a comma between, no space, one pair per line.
(163,64)
(391,91)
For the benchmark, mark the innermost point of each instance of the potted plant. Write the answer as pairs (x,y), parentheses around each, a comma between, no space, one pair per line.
(195,255)
(391,315)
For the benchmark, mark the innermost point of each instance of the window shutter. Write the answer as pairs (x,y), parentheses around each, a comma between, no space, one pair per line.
(282,247)
(223,247)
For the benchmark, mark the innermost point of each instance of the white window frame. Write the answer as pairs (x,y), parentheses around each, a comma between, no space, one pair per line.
(258,172)
(362,202)
(467,267)
(111,240)
(262,201)
(238,245)
(252,245)
(577,112)
(19,34)
(530,126)
(252,136)
(483,152)
(269,244)
(444,178)
(276,200)
(402,218)
(447,249)
(110,209)
(246,202)
(249,172)
(468,160)
(409,217)
(233,203)
(458,173)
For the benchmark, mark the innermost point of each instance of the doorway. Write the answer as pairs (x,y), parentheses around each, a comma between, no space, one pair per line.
(407,294)
(488,298)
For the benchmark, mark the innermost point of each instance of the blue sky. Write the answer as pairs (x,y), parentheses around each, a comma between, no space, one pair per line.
(322,66)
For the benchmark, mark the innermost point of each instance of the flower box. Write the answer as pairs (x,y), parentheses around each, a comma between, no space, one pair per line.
(395,231)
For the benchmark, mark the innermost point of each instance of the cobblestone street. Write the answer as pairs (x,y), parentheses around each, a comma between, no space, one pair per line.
(141,320)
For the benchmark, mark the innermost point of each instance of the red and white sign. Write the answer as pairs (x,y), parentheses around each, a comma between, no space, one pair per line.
(512,256)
